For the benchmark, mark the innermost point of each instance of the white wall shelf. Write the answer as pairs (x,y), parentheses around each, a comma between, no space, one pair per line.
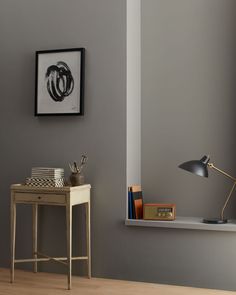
(184,223)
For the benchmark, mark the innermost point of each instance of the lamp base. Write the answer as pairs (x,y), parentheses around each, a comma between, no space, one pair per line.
(215,221)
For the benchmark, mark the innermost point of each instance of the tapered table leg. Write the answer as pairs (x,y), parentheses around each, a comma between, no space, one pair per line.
(35,236)
(69,241)
(13,236)
(88,239)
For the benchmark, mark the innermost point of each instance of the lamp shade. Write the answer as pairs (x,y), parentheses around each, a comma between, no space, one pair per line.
(198,167)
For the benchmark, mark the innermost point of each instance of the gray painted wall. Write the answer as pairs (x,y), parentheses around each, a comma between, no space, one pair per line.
(155,255)
(188,110)
(26,141)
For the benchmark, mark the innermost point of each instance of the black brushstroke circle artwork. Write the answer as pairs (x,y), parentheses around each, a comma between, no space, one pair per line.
(60,82)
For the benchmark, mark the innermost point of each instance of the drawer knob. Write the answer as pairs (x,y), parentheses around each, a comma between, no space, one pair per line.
(39,197)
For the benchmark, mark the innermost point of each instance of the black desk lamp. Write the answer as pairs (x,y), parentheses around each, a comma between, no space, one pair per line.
(200,167)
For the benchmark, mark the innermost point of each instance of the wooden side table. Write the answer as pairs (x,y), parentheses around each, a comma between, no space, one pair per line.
(65,196)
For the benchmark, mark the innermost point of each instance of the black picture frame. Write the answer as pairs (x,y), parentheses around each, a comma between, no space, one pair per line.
(59,82)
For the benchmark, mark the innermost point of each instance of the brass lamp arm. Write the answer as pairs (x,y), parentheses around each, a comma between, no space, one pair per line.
(211,165)
(227,200)
(231,191)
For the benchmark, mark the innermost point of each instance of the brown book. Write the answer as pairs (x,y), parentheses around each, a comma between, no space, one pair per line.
(135,188)
(138,206)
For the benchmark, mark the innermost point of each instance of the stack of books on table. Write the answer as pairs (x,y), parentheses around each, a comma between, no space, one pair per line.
(46,177)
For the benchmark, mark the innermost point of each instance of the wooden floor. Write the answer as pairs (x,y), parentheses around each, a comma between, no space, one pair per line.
(27,283)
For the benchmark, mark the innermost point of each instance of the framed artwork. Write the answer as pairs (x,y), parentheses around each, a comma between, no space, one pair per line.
(59,82)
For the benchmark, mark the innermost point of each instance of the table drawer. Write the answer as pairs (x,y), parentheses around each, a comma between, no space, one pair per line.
(40,198)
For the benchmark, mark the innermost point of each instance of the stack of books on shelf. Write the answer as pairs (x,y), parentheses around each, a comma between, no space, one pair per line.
(46,177)
(135,202)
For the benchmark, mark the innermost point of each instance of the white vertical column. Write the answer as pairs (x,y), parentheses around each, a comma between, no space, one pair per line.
(133,144)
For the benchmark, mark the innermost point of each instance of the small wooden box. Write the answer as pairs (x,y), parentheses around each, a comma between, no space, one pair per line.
(159,211)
